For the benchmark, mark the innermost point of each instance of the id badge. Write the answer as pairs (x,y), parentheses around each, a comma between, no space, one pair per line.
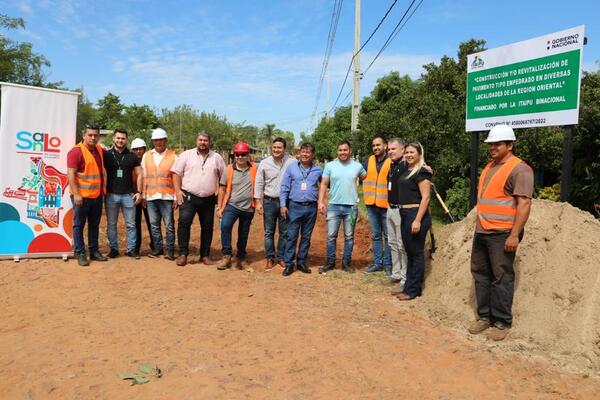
(119,173)
(303,185)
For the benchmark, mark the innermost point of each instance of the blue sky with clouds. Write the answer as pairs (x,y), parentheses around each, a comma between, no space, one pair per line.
(259,61)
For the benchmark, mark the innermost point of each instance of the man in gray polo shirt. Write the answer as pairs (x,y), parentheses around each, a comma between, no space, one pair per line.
(236,202)
(266,197)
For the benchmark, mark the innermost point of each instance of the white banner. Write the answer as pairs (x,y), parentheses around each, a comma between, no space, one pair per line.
(37,129)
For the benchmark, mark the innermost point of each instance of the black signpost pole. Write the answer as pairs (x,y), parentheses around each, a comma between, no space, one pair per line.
(567,164)
(474,165)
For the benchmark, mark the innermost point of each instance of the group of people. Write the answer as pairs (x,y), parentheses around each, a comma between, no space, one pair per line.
(289,193)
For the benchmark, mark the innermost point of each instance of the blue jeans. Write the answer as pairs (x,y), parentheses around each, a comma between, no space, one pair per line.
(162,210)
(301,221)
(90,210)
(114,201)
(336,213)
(271,218)
(230,215)
(382,256)
(415,250)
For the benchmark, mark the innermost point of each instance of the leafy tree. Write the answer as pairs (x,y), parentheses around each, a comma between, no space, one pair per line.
(110,112)
(139,121)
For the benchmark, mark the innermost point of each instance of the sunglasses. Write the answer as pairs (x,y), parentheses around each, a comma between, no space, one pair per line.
(241,154)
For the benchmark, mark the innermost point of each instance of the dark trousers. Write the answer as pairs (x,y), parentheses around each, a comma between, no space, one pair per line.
(230,215)
(205,208)
(138,227)
(414,244)
(271,218)
(494,274)
(90,211)
(301,221)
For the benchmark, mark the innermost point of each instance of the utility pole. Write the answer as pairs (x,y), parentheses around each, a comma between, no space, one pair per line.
(328,95)
(180,126)
(356,88)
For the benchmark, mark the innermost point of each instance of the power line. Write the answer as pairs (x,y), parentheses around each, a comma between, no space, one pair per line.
(335,16)
(395,32)
(360,49)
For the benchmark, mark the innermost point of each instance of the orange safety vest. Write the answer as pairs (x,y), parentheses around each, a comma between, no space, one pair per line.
(230,182)
(88,182)
(495,209)
(159,179)
(375,184)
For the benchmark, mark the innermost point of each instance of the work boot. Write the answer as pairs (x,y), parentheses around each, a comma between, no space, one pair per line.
(82,260)
(113,253)
(97,256)
(347,266)
(225,263)
(207,261)
(498,331)
(372,268)
(479,326)
(241,264)
(329,266)
(181,260)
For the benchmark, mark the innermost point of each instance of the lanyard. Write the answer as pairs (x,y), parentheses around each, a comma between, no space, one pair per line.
(302,171)
(205,159)
(115,157)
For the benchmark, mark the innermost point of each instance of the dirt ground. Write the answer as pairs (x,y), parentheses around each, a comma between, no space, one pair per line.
(69,332)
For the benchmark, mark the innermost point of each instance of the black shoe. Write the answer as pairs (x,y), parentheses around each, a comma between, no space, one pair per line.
(170,255)
(303,268)
(133,254)
(372,268)
(82,260)
(288,270)
(330,266)
(113,253)
(347,266)
(97,256)
(155,253)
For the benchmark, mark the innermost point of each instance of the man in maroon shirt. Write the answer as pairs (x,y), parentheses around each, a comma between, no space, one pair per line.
(86,206)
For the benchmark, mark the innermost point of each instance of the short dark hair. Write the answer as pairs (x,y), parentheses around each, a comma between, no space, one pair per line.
(119,130)
(384,140)
(204,134)
(94,127)
(309,146)
(343,142)
(280,140)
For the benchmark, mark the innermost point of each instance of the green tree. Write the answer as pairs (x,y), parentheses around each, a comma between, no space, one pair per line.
(110,112)
(139,121)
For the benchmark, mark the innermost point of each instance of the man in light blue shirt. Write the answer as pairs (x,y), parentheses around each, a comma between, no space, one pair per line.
(298,204)
(342,176)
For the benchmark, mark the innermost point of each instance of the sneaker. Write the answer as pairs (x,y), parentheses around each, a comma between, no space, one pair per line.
(132,254)
(479,326)
(498,331)
(372,268)
(113,253)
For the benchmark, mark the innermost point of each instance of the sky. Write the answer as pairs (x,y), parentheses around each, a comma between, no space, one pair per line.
(259,62)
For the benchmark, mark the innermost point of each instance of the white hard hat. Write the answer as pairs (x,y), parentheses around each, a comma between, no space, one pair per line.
(500,133)
(137,143)
(159,133)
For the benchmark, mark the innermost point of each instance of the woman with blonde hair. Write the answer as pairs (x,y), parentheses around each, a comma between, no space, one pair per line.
(413,192)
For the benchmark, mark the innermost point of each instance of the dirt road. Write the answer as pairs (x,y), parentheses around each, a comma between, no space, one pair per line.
(68,332)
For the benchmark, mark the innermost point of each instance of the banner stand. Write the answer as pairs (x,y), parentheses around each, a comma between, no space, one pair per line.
(37,129)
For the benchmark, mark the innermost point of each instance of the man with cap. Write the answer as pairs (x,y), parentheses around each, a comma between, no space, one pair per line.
(196,178)
(159,192)
(138,147)
(87,183)
(236,202)
(503,204)
(121,164)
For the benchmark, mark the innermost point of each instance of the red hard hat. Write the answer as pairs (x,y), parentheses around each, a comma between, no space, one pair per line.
(241,147)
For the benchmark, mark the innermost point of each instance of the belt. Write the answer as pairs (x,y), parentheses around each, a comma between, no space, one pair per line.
(401,206)
(271,198)
(304,203)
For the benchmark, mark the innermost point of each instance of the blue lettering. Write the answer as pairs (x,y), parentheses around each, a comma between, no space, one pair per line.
(24,137)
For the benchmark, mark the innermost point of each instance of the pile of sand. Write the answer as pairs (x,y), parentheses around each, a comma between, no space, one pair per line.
(557,297)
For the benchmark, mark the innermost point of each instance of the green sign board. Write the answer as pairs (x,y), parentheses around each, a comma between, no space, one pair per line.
(527,84)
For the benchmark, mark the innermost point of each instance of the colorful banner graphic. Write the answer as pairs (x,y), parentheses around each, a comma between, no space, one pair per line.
(37,129)
(532,83)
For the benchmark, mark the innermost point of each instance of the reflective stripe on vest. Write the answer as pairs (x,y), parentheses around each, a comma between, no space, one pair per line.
(375,183)
(495,209)
(88,181)
(159,179)
(229,174)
